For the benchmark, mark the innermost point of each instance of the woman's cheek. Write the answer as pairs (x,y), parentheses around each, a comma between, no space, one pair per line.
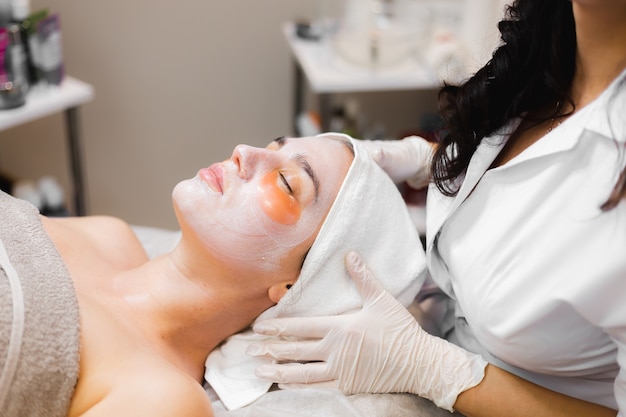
(278,205)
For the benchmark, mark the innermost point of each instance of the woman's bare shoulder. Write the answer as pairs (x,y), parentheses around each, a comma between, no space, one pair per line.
(157,391)
(91,225)
(109,237)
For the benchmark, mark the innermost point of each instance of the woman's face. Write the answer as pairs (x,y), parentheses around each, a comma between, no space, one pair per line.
(262,208)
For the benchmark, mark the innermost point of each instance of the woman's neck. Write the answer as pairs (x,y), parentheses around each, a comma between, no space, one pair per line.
(601,47)
(184,311)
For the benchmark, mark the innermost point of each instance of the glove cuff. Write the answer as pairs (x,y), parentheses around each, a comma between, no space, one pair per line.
(451,371)
(467,376)
(424,151)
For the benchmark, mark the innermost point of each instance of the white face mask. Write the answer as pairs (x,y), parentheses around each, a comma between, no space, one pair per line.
(254,208)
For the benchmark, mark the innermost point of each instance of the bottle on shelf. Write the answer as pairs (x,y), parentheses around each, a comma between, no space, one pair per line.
(11,93)
(27,21)
(17,64)
(346,118)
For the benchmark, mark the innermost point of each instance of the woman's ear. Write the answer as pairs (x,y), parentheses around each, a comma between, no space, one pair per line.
(277,291)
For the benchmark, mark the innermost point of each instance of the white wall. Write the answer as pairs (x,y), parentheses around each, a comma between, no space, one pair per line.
(178,84)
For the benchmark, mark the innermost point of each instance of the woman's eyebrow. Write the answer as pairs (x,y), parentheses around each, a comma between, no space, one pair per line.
(304,164)
(280,141)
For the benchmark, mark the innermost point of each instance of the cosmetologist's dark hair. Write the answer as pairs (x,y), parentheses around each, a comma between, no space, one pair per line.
(532,68)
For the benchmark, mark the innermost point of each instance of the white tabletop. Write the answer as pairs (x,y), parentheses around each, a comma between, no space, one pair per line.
(43,101)
(327,72)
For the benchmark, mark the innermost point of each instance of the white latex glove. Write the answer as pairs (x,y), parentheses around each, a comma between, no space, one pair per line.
(379,349)
(403,160)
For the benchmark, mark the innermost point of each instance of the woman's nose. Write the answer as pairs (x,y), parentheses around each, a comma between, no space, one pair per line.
(249,158)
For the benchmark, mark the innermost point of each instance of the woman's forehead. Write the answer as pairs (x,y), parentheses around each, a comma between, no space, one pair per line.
(312,143)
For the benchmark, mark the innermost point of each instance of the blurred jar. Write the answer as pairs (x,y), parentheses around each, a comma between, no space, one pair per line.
(372,35)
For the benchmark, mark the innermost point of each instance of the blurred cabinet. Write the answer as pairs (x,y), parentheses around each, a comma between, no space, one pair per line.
(319,69)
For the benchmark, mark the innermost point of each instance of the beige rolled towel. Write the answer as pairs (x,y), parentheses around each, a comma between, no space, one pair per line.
(39,363)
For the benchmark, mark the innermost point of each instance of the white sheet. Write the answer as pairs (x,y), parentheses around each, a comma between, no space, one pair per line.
(332,403)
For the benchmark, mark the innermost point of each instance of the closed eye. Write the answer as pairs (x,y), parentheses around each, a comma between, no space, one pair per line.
(284,180)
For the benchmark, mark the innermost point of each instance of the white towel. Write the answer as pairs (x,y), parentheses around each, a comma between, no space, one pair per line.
(368,216)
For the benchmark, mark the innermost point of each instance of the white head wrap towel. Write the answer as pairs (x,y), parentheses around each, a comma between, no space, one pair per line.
(368,216)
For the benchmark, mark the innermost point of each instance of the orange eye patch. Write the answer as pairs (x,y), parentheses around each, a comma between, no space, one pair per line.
(277,203)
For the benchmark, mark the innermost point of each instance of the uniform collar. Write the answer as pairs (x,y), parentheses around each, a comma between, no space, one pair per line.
(604,116)
(483,157)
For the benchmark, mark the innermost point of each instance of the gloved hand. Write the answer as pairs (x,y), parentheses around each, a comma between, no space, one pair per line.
(403,160)
(379,349)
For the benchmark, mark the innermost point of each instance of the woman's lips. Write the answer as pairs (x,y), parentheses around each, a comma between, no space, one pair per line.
(214,177)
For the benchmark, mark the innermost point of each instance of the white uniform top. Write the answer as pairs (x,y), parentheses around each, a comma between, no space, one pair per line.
(537,271)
